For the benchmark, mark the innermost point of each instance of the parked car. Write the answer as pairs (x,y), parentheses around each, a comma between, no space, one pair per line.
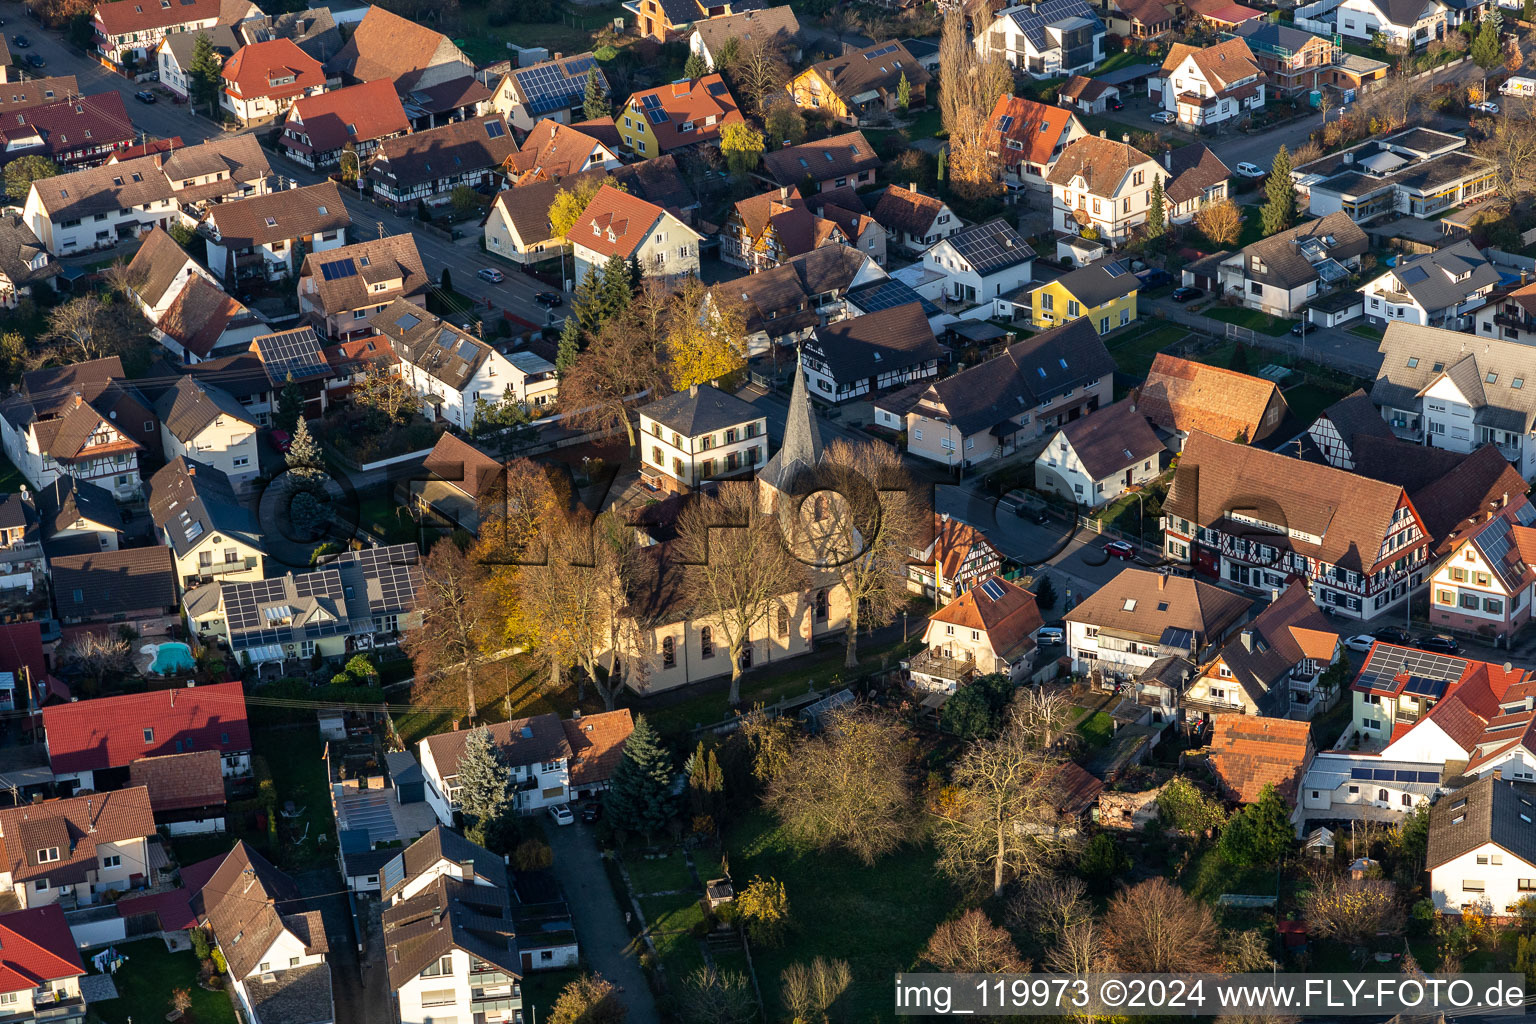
(1436,643)
(1361,643)
(1053,635)
(562,814)
(21,42)
(1154,278)
(491,274)
(1392,635)
(144,96)
(282,441)
(1186,294)
(1486,107)
(591,812)
(1299,328)
(549,300)
(1115,103)
(35,61)
(1249,170)
(1120,549)
(1164,117)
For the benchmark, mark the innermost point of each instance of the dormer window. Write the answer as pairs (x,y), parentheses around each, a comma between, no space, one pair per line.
(149,735)
(48,856)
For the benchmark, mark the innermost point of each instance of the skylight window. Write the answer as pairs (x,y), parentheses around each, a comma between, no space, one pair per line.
(1413,361)
(1492,378)
(271,222)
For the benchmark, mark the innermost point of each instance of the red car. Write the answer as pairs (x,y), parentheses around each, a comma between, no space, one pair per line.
(1120,549)
(281,440)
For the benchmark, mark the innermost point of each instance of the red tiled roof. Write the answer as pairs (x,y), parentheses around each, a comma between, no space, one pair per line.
(1249,753)
(372,110)
(84,122)
(597,744)
(256,66)
(123,16)
(688,102)
(108,732)
(36,946)
(74,827)
(614,222)
(179,782)
(1035,126)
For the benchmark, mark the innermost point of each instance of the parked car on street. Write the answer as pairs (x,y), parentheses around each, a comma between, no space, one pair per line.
(1164,117)
(144,96)
(1392,635)
(1186,294)
(1120,549)
(1486,107)
(35,61)
(1156,277)
(21,42)
(549,300)
(1053,635)
(1249,170)
(1361,643)
(1436,643)
(491,274)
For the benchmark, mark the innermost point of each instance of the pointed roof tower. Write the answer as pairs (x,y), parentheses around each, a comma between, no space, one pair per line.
(801,451)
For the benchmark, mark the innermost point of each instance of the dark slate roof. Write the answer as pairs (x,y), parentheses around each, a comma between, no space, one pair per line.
(192,405)
(443,844)
(801,451)
(1431,278)
(1191,170)
(107,583)
(67,500)
(1414,357)
(1034,19)
(700,410)
(1355,415)
(866,346)
(446,915)
(835,157)
(1099,282)
(1286,266)
(1112,438)
(991,247)
(1263,35)
(1499,811)
(190,501)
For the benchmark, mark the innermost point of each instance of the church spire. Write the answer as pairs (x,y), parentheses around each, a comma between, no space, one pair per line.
(801,450)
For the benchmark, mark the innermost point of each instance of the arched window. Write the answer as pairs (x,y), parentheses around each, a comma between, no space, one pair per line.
(668,652)
(783,623)
(820,507)
(707,642)
(821,606)
(1381,795)
(1407,800)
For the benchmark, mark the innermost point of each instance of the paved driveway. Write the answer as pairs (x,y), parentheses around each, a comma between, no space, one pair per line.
(599,920)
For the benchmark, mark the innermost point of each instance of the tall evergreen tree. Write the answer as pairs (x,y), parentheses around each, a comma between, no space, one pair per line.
(482,778)
(1157,221)
(594,104)
(205,73)
(639,796)
(304,459)
(290,405)
(1279,210)
(587,307)
(636,275)
(705,781)
(570,345)
(617,289)
(695,68)
(1487,52)
(903,93)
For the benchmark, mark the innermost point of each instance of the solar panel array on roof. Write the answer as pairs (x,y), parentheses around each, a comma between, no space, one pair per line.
(407,321)
(659,116)
(338,269)
(993,589)
(393,873)
(990,246)
(1114,269)
(887,294)
(1413,275)
(650,101)
(554,85)
(1419,686)
(1386,663)
(1495,543)
(246,608)
(1005,123)
(296,353)
(872,54)
(717,89)
(1392,775)
(1176,639)
(495,129)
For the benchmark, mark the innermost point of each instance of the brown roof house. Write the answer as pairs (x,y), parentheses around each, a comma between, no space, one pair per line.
(1095,459)
(534,750)
(554,150)
(436,82)
(428,165)
(319,128)
(1181,396)
(913,220)
(1194,177)
(1088,95)
(679,115)
(186,791)
(206,322)
(1282,273)
(597,745)
(460,478)
(888,348)
(88,844)
(340,289)
(1248,753)
(1337,427)
(954,557)
(78,518)
(841,161)
(276,950)
(549,89)
(1206,86)
(989,628)
(135,587)
(777,24)
(24,261)
(258,237)
(765,230)
(862,86)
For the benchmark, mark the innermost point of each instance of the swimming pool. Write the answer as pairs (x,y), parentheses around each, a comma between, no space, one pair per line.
(170,658)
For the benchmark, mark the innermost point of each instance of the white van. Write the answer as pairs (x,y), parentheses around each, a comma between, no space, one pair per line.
(1518,87)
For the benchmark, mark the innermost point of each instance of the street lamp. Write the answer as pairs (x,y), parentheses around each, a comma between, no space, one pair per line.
(1303,335)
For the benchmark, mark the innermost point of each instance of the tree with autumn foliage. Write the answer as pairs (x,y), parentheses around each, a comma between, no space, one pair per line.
(622,362)
(972,944)
(457,622)
(706,335)
(1220,221)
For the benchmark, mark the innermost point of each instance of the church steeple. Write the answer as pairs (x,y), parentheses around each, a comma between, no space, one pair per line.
(801,451)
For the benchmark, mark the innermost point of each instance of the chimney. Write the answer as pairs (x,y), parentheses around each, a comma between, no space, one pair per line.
(1162,580)
(469,868)
(1168,160)
(77,400)
(1247,638)
(576,715)
(783,191)
(912,187)
(693,391)
(1504,502)
(1498,773)
(1103,134)
(1125,137)
(191,470)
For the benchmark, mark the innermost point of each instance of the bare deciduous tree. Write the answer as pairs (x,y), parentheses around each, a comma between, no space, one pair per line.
(848,788)
(1156,927)
(736,567)
(1512,150)
(96,655)
(1078,950)
(83,328)
(456,622)
(1353,910)
(621,362)
(971,944)
(759,71)
(1043,716)
(809,990)
(1050,905)
(383,389)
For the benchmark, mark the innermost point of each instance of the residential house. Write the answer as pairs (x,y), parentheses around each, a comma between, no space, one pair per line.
(1280,274)
(864,85)
(597,746)
(1458,391)
(279,961)
(132,587)
(517,225)
(952,558)
(1103,184)
(839,161)
(554,150)
(92,743)
(1141,615)
(41,967)
(205,424)
(989,628)
(263,80)
(1417,172)
(450,934)
(24,262)
(1410,23)
(1293,61)
(1088,95)
(1181,396)
(313,30)
(1037,384)
(533,750)
(1346,785)
(1028,138)
(1220,15)
(551,89)
(1104,291)
(1510,317)
(662,19)
(845,217)
(460,480)
(435,80)
(23,561)
(78,517)
(765,230)
(913,220)
(1046,40)
(340,290)
(1140,19)
(1438,289)
(1479,856)
(1256,518)
(206,322)
(128,31)
(100,206)
(1194,177)
(1273,667)
(1094,460)
(319,129)
(159,271)
(197,515)
(678,115)
(785,302)
(79,131)
(978,263)
(186,791)
(1210,85)
(73,851)
(616,223)
(295,355)
(884,349)
(34,92)
(426,166)
(1249,754)
(453,370)
(1336,428)
(1486,585)
(258,237)
(691,438)
(173,57)
(777,24)
(85,420)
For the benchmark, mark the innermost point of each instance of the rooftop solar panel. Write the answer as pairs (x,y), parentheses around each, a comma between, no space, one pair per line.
(717,89)
(1387,662)
(338,269)
(295,353)
(993,589)
(1005,123)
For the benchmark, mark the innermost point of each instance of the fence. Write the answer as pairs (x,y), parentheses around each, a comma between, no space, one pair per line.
(1242,335)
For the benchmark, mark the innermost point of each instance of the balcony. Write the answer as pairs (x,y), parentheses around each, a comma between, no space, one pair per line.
(216,569)
(933,663)
(1215,705)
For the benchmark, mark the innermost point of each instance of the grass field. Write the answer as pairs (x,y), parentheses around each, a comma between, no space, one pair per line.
(485,43)
(145,982)
(666,874)
(1133,352)
(1366,331)
(295,753)
(542,988)
(10,477)
(1253,319)
(521,681)
(878,929)
(1096,728)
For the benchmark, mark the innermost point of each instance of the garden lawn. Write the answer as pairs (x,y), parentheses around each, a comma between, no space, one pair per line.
(1253,319)
(1096,728)
(1366,331)
(542,988)
(1309,399)
(521,679)
(664,874)
(10,477)
(381,516)
(1208,876)
(878,928)
(1123,59)
(145,982)
(1133,352)
(671,920)
(927,123)
(486,43)
(295,754)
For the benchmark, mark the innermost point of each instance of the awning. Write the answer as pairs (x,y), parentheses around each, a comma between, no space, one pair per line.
(867,97)
(269,652)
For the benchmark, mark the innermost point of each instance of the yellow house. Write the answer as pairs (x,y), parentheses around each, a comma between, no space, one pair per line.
(684,113)
(1104,292)
(212,537)
(861,83)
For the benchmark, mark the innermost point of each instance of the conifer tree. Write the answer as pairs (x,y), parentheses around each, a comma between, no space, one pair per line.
(304,459)
(903,93)
(570,345)
(617,289)
(205,73)
(695,68)
(587,307)
(482,778)
(290,405)
(1279,210)
(594,104)
(1156,215)
(639,796)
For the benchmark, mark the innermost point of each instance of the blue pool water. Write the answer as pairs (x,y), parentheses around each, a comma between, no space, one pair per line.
(172,658)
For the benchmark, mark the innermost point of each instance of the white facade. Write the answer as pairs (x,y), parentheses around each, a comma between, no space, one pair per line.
(115,863)
(1187,79)
(1362,19)
(227,444)
(491,381)
(689,461)
(1069,48)
(964,284)
(278,256)
(1331,789)
(117,472)
(1384,303)
(1059,464)
(1488,878)
(671,249)
(535,786)
(1112,213)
